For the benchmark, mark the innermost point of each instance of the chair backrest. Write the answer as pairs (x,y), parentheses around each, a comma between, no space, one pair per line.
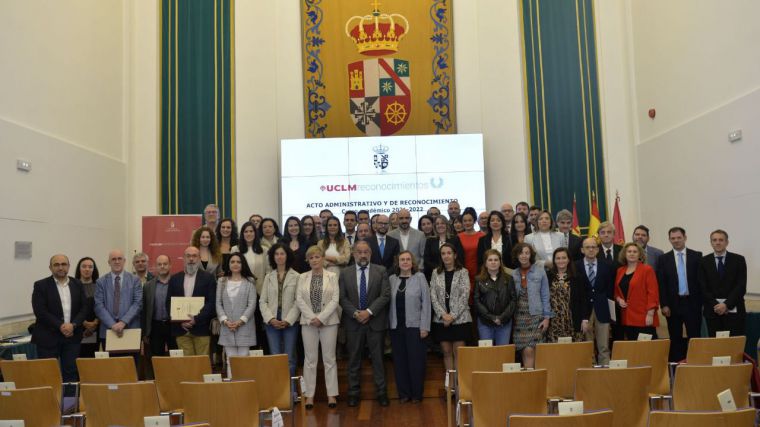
(37,406)
(486,359)
(560,362)
(590,419)
(34,373)
(119,404)
(228,404)
(740,418)
(497,395)
(272,376)
(622,390)
(702,350)
(652,353)
(170,372)
(696,386)
(114,370)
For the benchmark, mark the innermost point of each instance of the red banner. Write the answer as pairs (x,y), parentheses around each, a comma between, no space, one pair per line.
(168,235)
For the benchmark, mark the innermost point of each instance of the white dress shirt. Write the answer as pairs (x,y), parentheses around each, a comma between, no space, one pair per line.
(65,293)
(189,284)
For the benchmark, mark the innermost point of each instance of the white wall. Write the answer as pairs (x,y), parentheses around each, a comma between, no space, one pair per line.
(61,106)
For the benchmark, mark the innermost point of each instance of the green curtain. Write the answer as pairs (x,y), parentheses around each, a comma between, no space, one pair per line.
(563,113)
(197,106)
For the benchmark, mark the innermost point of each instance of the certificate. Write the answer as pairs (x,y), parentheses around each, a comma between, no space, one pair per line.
(184,307)
(128,342)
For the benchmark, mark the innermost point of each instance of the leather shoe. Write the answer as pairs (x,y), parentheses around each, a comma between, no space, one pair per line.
(353,401)
(383,400)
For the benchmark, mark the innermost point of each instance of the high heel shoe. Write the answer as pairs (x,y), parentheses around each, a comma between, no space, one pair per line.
(333,404)
(309,404)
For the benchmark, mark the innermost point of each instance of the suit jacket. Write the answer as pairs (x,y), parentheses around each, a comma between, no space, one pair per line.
(48,311)
(270,296)
(653,255)
(731,287)
(130,301)
(643,295)
(329,313)
(615,252)
(415,244)
(239,308)
(205,286)
(392,248)
(543,254)
(459,297)
(484,244)
(378,297)
(575,243)
(433,254)
(603,289)
(667,277)
(149,300)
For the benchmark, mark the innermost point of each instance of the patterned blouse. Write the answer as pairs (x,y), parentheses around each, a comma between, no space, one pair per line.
(316,293)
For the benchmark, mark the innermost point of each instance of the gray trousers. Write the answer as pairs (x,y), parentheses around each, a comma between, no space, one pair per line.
(356,340)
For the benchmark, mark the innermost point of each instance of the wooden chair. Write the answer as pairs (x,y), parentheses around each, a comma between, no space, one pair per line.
(561,361)
(648,353)
(589,419)
(470,359)
(490,407)
(740,418)
(119,404)
(272,376)
(622,390)
(696,386)
(702,350)
(34,373)
(37,406)
(228,404)
(114,370)
(170,372)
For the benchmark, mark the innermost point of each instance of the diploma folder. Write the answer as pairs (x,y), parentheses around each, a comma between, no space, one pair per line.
(128,343)
(182,307)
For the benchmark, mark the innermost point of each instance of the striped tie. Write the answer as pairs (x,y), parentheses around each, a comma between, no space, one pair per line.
(591,275)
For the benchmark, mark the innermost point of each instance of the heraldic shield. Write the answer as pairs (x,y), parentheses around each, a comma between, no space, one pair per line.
(380,98)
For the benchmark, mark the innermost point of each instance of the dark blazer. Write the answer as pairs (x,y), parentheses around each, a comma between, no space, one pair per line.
(731,287)
(484,244)
(580,303)
(667,277)
(574,244)
(378,297)
(615,252)
(149,298)
(205,286)
(603,289)
(392,248)
(48,311)
(433,254)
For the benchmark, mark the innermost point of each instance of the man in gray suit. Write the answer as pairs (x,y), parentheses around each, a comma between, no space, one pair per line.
(641,236)
(411,240)
(364,297)
(118,297)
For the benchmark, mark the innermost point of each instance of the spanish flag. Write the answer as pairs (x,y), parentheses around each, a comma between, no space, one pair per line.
(594,221)
(576,225)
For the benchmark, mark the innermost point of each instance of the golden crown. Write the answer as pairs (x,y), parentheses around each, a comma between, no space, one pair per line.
(377,34)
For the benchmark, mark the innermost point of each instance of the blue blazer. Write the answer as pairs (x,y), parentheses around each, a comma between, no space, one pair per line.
(130,301)
(603,289)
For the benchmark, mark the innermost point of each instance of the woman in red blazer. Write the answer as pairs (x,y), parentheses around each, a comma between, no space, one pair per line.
(637,293)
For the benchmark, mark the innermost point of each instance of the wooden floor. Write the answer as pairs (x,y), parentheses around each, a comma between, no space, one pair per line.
(431,412)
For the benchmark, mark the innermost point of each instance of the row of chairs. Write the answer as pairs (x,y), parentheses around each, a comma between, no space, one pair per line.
(110,394)
(605,418)
(565,371)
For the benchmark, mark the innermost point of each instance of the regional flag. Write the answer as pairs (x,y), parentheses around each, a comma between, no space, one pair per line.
(617,221)
(576,225)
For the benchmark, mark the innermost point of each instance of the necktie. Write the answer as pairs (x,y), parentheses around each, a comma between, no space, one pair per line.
(721,267)
(382,247)
(116,295)
(363,290)
(567,241)
(591,275)
(683,285)
(350,240)
(609,254)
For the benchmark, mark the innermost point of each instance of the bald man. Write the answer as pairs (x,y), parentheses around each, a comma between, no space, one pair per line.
(508,211)
(59,308)
(155,317)
(118,297)
(598,277)
(192,334)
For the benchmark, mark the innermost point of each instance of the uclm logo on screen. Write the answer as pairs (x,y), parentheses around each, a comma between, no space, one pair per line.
(338,187)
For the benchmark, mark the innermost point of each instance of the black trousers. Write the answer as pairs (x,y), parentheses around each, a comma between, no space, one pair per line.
(632,332)
(161,338)
(409,352)
(356,340)
(734,322)
(683,312)
(66,352)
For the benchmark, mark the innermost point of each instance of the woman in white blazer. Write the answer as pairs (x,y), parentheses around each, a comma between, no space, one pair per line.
(318,299)
(279,310)
(235,304)
(545,240)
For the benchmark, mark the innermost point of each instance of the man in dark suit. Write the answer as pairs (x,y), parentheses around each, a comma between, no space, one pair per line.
(364,297)
(192,335)
(641,236)
(59,308)
(572,242)
(598,278)
(157,334)
(384,248)
(608,250)
(723,279)
(680,295)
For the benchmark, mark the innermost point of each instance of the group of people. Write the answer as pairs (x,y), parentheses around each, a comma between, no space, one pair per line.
(520,277)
